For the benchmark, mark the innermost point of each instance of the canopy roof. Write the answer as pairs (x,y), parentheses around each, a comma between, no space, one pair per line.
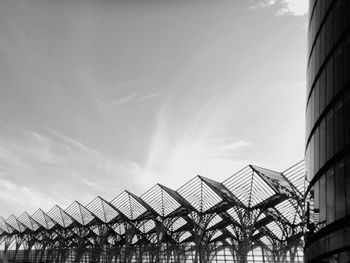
(253,205)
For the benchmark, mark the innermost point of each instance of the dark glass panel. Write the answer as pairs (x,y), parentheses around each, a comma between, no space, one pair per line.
(337,19)
(316,94)
(317,15)
(317,150)
(329,135)
(322,198)
(347,117)
(338,126)
(322,44)
(344,257)
(322,140)
(346,12)
(312,154)
(328,3)
(329,23)
(340,204)
(347,178)
(307,129)
(312,110)
(326,36)
(317,197)
(322,9)
(322,81)
(330,195)
(307,163)
(346,57)
(329,79)
(338,70)
(317,56)
(313,68)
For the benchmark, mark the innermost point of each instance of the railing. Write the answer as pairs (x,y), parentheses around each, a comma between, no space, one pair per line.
(177,254)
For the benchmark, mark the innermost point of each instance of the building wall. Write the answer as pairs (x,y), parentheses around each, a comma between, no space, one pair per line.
(328,131)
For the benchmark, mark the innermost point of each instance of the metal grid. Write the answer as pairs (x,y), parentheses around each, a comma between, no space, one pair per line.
(253,216)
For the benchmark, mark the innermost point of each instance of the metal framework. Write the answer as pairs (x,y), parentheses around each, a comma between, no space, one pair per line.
(256,215)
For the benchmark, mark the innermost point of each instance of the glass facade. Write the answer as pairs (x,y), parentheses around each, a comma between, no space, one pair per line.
(328,132)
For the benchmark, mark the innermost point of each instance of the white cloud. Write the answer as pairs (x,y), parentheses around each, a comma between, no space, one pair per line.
(17,198)
(40,169)
(284,7)
(211,152)
(126,99)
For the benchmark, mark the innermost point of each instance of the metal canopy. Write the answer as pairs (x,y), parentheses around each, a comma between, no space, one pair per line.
(253,206)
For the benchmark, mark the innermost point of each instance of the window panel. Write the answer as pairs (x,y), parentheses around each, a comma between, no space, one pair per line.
(322,86)
(346,57)
(344,257)
(347,117)
(329,135)
(329,80)
(322,198)
(322,9)
(330,195)
(312,110)
(338,70)
(316,101)
(322,37)
(338,126)
(308,169)
(317,55)
(347,177)
(337,19)
(312,162)
(317,149)
(307,125)
(329,28)
(339,190)
(328,2)
(313,68)
(316,189)
(346,12)
(322,142)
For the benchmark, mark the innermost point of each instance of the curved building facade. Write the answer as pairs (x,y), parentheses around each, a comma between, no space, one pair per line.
(328,132)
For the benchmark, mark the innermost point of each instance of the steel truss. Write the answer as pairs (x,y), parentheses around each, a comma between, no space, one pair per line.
(256,215)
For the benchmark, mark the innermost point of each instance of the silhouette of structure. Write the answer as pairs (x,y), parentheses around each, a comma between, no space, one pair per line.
(328,132)
(253,216)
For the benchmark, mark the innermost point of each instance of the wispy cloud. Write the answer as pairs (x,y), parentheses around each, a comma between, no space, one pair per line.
(42,168)
(22,196)
(147,97)
(284,7)
(202,148)
(132,97)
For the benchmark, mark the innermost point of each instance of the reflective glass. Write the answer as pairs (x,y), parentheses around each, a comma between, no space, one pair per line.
(338,70)
(330,134)
(317,149)
(347,178)
(329,79)
(323,198)
(317,100)
(337,20)
(347,118)
(322,140)
(330,195)
(338,126)
(346,58)
(346,12)
(339,190)
(322,86)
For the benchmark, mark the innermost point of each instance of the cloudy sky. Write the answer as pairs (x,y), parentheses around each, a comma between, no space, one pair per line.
(98,96)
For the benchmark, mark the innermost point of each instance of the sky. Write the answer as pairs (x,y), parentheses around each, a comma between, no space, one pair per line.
(99,96)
